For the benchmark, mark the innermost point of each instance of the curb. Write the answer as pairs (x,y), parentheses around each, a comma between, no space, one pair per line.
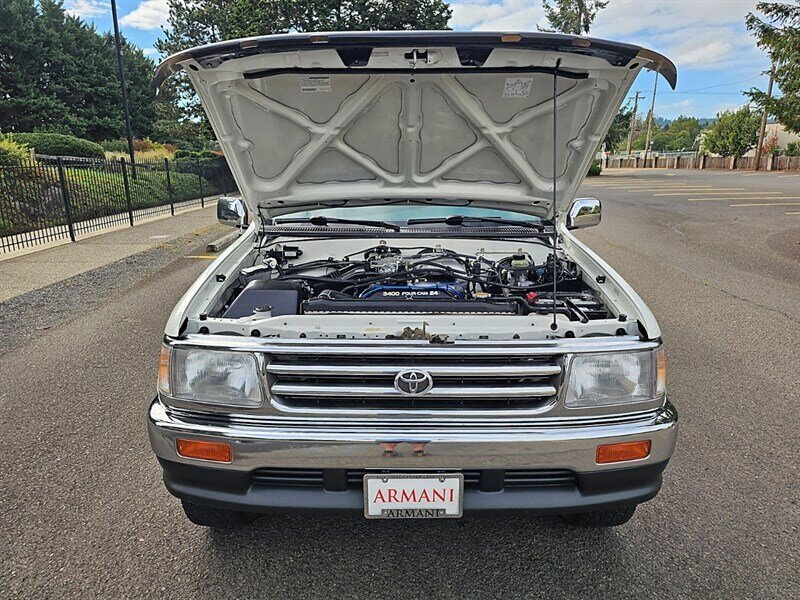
(223,242)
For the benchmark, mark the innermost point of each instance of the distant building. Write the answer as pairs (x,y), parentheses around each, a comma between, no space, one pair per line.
(778,131)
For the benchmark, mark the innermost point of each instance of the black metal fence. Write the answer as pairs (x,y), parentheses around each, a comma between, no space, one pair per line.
(53,198)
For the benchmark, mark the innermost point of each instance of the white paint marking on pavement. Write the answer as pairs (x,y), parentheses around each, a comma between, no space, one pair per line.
(202,256)
(652,182)
(718,193)
(729,198)
(666,188)
(669,184)
(771,204)
(687,190)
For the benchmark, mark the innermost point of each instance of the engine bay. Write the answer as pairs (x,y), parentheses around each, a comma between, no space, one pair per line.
(385,279)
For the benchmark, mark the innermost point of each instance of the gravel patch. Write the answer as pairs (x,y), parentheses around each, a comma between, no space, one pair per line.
(23,316)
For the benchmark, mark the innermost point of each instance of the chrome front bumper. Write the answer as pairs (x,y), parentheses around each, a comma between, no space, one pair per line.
(489,449)
(556,445)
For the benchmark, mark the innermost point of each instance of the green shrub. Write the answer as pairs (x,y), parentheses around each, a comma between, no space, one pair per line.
(139,145)
(29,193)
(210,165)
(146,145)
(792,149)
(114,145)
(12,152)
(197,154)
(595,168)
(57,144)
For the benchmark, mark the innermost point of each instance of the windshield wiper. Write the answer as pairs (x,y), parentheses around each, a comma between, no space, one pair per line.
(321,221)
(457,220)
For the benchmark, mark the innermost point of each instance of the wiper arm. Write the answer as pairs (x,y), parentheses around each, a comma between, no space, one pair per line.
(457,220)
(321,221)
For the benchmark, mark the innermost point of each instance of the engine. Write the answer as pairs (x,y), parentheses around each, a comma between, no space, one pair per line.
(384,279)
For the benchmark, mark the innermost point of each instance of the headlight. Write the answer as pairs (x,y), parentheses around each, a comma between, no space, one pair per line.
(211,377)
(616,378)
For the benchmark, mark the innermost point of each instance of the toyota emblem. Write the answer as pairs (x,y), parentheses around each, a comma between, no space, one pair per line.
(413,382)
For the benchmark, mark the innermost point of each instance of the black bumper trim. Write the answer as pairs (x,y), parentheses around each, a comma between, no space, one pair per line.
(233,490)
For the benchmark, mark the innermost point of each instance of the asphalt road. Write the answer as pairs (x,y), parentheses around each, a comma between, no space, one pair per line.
(84,513)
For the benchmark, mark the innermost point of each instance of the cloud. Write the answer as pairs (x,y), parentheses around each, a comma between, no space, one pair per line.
(695,34)
(506,15)
(626,17)
(150,52)
(708,34)
(697,48)
(467,15)
(149,15)
(676,106)
(726,106)
(86,9)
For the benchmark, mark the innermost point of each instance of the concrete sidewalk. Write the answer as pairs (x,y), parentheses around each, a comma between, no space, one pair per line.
(35,270)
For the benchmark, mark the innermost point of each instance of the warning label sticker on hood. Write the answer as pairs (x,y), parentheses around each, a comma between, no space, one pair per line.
(315,84)
(517,87)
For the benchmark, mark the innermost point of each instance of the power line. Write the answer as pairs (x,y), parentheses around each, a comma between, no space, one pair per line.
(702,93)
(708,87)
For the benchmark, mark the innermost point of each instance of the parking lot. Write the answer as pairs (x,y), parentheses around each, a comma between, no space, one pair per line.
(716,256)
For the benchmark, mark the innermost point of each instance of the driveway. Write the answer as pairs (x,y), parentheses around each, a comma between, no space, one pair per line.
(715,255)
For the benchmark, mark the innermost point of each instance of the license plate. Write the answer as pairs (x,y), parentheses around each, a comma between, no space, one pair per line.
(413,496)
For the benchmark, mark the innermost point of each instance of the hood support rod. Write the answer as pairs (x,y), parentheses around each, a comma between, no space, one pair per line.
(554,324)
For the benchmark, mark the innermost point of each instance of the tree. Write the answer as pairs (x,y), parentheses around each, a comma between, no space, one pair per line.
(678,135)
(59,74)
(733,133)
(681,134)
(196,22)
(572,16)
(139,71)
(618,132)
(770,145)
(779,34)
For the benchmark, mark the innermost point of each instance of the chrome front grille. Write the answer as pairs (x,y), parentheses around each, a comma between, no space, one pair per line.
(363,378)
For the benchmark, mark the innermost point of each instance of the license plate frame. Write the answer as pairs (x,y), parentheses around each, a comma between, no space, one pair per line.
(419,512)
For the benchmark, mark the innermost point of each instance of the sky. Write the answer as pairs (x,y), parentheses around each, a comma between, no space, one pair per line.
(707,40)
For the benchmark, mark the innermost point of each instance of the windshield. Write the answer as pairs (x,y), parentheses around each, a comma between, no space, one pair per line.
(401,214)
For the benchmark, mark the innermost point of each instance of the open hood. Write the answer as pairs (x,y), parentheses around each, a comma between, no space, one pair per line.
(354,119)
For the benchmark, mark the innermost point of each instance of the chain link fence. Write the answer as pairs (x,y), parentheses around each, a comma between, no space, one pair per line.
(53,198)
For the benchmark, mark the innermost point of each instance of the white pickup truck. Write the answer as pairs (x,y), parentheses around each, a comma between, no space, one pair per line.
(407,327)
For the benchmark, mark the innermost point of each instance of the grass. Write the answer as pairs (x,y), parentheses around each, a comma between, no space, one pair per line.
(142,155)
(31,199)
(100,193)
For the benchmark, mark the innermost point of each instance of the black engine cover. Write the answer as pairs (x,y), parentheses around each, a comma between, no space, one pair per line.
(386,305)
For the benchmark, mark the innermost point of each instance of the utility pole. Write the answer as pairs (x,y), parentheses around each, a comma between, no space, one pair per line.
(763,129)
(650,119)
(632,131)
(121,65)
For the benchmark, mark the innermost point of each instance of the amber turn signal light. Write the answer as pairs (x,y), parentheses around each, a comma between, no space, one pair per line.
(163,371)
(611,453)
(204,450)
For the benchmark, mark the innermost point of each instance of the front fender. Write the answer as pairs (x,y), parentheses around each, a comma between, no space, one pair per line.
(615,291)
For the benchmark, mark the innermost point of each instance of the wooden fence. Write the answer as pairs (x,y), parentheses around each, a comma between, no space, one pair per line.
(744,163)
